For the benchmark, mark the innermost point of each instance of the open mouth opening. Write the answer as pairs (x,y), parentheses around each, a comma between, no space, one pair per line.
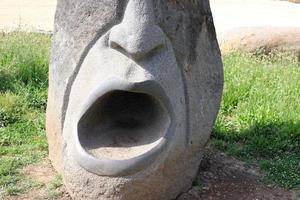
(121,125)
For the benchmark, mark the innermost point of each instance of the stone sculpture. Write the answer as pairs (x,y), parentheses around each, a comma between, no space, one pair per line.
(134,90)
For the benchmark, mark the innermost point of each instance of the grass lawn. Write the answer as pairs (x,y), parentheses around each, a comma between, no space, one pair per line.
(24,59)
(258,122)
(260,114)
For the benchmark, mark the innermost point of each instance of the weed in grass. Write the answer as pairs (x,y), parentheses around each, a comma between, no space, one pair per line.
(54,188)
(22,186)
(198,185)
(282,170)
(9,109)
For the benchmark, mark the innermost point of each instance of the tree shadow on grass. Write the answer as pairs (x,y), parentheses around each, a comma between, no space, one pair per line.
(274,146)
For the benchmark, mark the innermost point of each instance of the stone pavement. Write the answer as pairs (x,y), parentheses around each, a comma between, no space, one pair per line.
(38,15)
(248,25)
(232,14)
(30,15)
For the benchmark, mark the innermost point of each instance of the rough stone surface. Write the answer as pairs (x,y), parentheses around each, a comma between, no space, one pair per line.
(164,58)
(283,39)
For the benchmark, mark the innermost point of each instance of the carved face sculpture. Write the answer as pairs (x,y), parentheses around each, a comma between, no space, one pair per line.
(138,94)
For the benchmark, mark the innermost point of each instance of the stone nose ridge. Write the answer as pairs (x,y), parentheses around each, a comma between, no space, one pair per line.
(137,35)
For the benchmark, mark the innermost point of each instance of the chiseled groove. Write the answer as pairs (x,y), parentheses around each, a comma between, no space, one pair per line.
(120,10)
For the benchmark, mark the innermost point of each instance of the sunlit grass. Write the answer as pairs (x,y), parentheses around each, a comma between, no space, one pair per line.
(23,90)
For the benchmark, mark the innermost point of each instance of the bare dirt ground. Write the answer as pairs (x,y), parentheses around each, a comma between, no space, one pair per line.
(42,173)
(223,177)
(220,177)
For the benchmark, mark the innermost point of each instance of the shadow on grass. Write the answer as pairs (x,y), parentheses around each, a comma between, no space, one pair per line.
(6,83)
(275,146)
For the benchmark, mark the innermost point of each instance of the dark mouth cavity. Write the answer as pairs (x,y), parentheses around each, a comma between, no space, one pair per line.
(122,124)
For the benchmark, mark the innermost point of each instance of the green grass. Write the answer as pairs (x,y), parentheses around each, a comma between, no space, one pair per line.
(260,114)
(23,91)
(258,121)
(54,187)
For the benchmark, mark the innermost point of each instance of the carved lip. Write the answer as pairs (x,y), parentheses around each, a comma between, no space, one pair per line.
(133,119)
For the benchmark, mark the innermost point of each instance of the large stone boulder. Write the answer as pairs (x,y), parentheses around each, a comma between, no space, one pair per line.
(268,39)
(134,89)
(294,1)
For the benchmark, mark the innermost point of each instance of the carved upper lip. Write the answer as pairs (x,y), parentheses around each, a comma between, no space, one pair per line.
(113,167)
